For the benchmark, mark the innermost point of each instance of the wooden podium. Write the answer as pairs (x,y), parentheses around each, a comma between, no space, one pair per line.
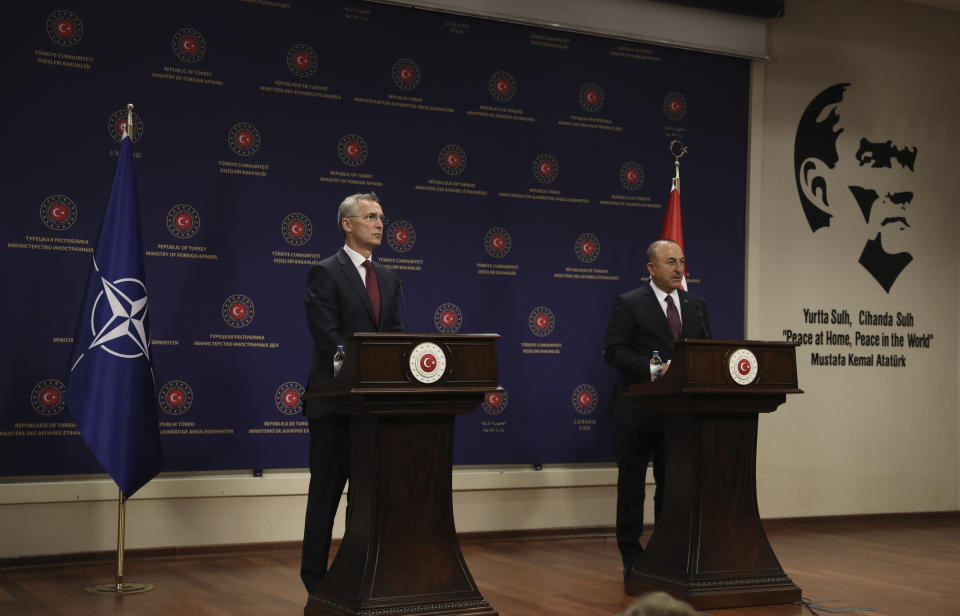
(400,554)
(709,547)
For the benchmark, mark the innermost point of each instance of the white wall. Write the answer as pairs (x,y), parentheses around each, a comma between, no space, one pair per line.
(859,441)
(641,20)
(70,515)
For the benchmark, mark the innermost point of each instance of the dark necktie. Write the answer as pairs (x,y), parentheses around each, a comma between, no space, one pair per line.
(372,289)
(673,317)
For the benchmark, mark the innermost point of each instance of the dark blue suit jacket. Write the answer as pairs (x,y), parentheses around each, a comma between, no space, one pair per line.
(637,327)
(337,304)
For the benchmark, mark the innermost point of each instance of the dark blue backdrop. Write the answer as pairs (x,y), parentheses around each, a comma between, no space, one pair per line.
(406,84)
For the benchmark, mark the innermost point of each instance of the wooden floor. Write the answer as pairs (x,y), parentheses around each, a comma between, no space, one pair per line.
(897,566)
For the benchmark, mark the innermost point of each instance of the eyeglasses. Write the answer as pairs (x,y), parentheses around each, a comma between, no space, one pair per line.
(371,217)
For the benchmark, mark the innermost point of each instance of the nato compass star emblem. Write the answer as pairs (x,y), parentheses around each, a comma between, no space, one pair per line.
(118,319)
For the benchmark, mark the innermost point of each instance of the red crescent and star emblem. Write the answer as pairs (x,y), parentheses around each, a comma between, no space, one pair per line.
(495,402)
(189,45)
(587,247)
(302,60)
(591,97)
(541,321)
(497,242)
(401,236)
(238,311)
(448,318)
(406,74)
(289,398)
(176,397)
(743,366)
(296,229)
(453,159)
(183,221)
(59,212)
(427,362)
(631,175)
(545,168)
(502,86)
(584,399)
(244,139)
(674,105)
(64,28)
(49,397)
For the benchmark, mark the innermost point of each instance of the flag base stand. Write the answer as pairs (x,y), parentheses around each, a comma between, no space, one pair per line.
(120,588)
(123,588)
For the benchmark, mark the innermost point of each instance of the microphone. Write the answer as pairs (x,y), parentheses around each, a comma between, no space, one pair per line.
(703,323)
(701,318)
(403,301)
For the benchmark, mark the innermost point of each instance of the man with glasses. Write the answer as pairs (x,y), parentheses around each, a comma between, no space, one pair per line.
(346,293)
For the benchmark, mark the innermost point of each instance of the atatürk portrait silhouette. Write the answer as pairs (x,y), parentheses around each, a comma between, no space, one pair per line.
(845,170)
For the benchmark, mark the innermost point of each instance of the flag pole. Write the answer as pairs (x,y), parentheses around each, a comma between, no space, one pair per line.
(672,225)
(119,587)
(121,511)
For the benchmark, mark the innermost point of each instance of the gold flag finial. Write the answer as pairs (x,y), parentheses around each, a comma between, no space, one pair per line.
(130,121)
(677,150)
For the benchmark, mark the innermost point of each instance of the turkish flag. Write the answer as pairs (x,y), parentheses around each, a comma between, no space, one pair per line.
(672,226)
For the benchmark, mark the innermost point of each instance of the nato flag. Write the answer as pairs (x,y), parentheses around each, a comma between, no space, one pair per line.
(111,392)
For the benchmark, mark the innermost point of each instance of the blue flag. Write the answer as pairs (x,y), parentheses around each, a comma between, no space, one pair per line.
(111,392)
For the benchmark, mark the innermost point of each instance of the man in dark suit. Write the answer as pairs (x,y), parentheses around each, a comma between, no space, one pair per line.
(642,321)
(346,293)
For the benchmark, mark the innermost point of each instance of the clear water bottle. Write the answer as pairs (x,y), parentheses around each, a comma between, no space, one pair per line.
(338,359)
(656,366)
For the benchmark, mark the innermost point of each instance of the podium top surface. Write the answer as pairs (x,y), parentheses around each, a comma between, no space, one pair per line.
(412,372)
(419,336)
(731,370)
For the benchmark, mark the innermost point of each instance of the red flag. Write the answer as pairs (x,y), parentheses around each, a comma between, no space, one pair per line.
(672,226)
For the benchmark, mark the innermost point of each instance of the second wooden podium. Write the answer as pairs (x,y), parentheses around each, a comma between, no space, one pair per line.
(400,554)
(709,547)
